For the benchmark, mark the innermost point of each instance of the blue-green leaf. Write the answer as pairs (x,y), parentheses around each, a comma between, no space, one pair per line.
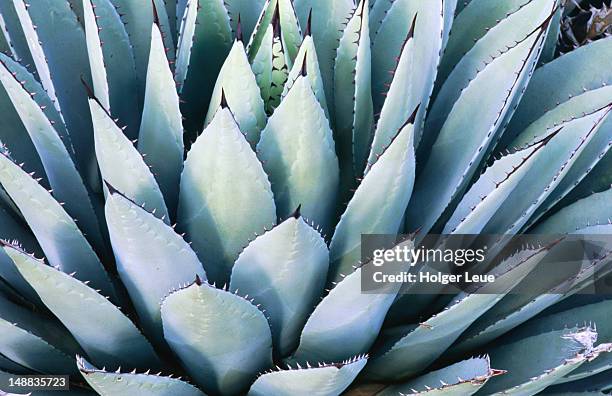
(354,109)
(95,55)
(121,165)
(324,380)
(161,131)
(220,217)
(60,238)
(222,339)
(237,83)
(296,133)
(455,156)
(204,43)
(378,204)
(247,11)
(284,270)
(104,332)
(151,259)
(124,384)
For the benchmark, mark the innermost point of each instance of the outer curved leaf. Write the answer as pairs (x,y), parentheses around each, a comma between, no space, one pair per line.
(124,384)
(237,82)
(464,378)
(455,156)
(327,25)
(28,339)
(64,45)
(222,339)
(429,31)
(423,344)
(103,331)
(345,323)
(353,95)
(13,30)
(316,381)
(121,165)
(55,157)
(60,238)
(204,44)
(267,270)
(161,129)
(221,217)
(488,195)
(591,210)
(539,98)
(472,23)
(558,160)
(378,204)
(560,352)
(297,133)
(151,259)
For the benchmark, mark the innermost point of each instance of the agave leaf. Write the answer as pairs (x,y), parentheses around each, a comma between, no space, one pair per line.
(238,85)
(306,59)
(388,181)
(222,217)
(531,19)
(247,11)
(353,95)
(222,339)
(552,39)
(60,238)
(327,25)
(594,209)
(28,44)
(459,154)
(188,12)
(395,109)
(33,341)
(95,55)
(5,40)
(147,251)
(296,133)
(14,136)
(171,8)
(345,310)
(598,385)
(597,313)
(485,198)
(11,230)
(161,130)
(411,88)
(279,14)
(599,179)
(473,22)
(559,353)
(120,68)
(204,43)
(463,378)
(121,165)
(267,271)
(145,384)
(13,31)
(64,45)
(540,99)
(378,11)
(424,343)
(162,18)
(450,6)
(317,381)
(59,167)
(103,331)
(137,16)
(557,161)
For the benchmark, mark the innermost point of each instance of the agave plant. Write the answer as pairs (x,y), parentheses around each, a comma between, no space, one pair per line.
(185,183)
